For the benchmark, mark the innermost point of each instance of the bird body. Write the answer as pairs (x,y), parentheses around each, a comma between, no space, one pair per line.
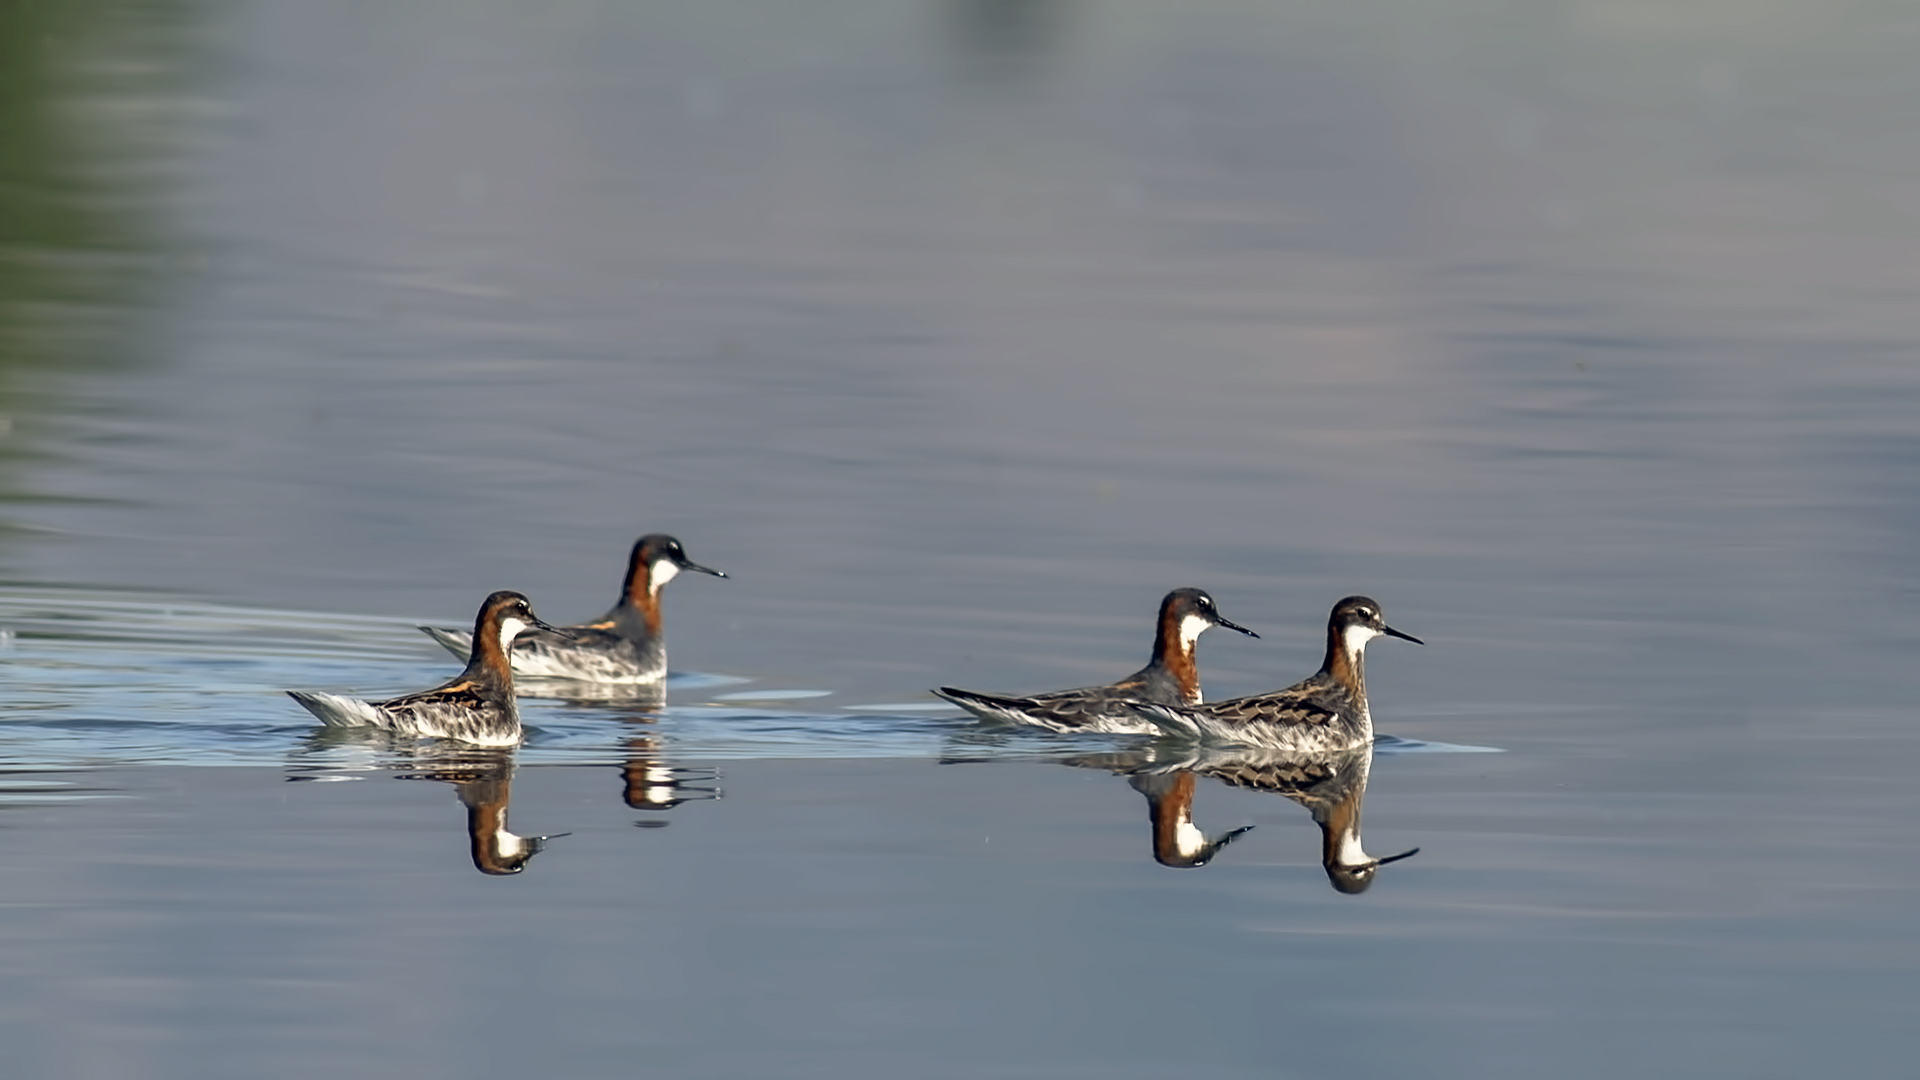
(476,706)
(1172,676)
(624,646)
(1326,711)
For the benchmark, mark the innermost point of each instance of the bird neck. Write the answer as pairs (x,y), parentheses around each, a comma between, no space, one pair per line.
(488,662)
(1346,662)
(641,597)
(1176,842)
(1173,653)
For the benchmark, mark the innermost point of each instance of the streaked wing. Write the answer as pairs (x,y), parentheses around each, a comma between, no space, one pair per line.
(461,693)
(1084,704)
(1280,708)
(1085,708)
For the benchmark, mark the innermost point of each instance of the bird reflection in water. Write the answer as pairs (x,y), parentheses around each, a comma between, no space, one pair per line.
(1177,842)
(1331,786)
(648,781)
(482,778)
(485,793)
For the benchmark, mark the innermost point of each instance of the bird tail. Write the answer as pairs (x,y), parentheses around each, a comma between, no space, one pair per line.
(457,642)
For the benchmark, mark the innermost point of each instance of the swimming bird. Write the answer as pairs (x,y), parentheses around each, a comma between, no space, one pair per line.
(623,646)
(1325,711)
(475,706)
(1171,677)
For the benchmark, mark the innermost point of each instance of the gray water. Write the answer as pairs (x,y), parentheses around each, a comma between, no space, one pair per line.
(1586,337)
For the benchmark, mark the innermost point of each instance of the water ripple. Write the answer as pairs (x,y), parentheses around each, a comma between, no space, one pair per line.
(100,678)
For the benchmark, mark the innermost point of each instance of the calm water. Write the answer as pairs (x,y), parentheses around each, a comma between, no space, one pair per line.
(1585,337)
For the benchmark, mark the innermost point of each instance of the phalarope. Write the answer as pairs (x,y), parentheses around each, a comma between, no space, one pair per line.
(623,646)
(1325,711)
(1171,678)
(475,706)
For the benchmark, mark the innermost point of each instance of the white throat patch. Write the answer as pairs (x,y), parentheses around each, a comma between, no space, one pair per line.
(1191,627)
(510,628)
(1351,854)
(1189,840)
(661,572)
(1357,635)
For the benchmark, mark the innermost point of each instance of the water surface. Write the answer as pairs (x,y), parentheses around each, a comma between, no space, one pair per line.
(957,333)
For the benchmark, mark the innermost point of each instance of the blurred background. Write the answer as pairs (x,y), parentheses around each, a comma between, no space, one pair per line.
(933,322)
(1583,334)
